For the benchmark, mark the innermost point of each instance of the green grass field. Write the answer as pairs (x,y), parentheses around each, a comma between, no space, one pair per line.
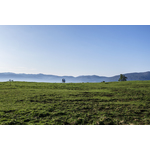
(110,103)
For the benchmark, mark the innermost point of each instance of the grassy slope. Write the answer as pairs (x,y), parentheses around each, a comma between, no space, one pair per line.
(75,103)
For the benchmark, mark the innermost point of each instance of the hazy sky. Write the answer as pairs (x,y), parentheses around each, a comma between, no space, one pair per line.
(75,50)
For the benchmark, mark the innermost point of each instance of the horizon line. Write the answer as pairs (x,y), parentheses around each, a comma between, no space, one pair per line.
(70,75)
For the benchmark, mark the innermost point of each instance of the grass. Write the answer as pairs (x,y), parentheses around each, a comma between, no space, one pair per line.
(109,103)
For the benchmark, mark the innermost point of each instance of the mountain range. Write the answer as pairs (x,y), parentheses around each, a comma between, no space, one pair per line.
(53,78)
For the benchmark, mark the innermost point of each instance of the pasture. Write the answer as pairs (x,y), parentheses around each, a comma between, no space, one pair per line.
(108,103)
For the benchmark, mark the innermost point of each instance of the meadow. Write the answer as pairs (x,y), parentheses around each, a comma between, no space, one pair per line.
(108,103)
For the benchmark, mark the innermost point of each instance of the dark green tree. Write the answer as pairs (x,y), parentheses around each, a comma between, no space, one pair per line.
(122,78)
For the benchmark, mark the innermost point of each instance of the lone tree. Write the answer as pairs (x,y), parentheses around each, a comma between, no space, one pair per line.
(122,78)
(63,80)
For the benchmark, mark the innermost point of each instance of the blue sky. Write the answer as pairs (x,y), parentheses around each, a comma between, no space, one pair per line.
(75,50)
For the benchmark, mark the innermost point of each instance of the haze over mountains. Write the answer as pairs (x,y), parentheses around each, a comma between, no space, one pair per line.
(58,79)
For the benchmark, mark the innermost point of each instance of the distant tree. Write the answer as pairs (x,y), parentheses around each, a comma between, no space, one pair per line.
(122,78)
(63,80)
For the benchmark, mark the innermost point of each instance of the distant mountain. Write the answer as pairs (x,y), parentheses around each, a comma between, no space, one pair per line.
(53,78)
(133,76)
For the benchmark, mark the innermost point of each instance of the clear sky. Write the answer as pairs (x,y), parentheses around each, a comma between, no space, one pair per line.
(75,50)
